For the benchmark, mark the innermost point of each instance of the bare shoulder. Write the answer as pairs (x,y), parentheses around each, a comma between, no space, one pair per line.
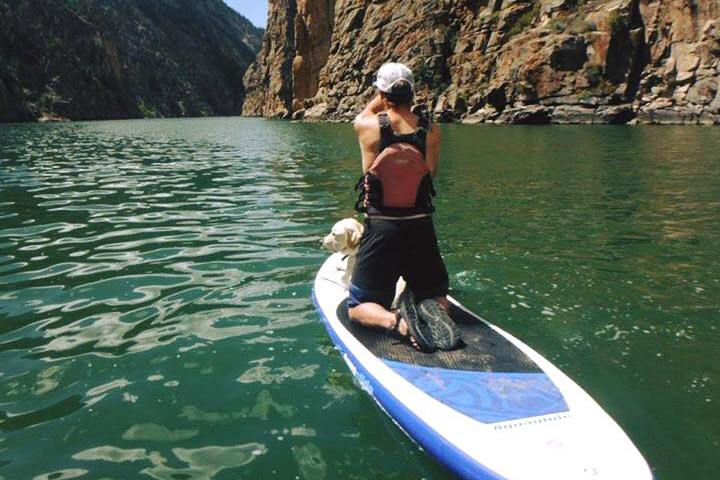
(365,123)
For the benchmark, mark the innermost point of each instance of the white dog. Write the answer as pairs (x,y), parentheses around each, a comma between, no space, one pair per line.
(344,237)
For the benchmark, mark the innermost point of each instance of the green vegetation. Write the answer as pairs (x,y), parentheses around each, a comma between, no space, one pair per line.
(616,22)
(595,75)
(576,26)
(146,111)
(525,20)
(48,99)
(557,25)
(424,74)
(451,36)
(579,25)
(584,96)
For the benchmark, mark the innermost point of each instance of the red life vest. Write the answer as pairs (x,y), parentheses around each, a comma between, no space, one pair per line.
(399,183)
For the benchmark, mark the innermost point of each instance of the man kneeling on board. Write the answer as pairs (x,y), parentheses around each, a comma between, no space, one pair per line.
(400,153)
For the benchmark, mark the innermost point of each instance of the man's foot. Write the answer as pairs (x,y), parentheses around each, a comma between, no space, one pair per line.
(417,328)
(445,334)
(400,331)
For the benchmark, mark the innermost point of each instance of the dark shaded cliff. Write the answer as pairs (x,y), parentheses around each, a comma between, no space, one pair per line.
(107,59)
(503,61)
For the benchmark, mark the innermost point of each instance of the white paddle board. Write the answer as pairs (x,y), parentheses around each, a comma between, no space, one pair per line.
(491,410)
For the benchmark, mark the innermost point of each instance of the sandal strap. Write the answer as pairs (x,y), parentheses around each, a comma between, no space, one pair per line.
(395,329)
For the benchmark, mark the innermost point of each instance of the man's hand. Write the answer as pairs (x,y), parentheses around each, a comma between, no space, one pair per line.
(373,107)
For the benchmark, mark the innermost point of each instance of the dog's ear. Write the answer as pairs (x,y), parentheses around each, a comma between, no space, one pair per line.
(341,240)
(354,237)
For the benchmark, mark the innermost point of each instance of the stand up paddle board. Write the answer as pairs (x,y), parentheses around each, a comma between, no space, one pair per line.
(491,410)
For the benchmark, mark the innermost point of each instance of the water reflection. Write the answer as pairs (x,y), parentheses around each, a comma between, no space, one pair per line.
(203,463)
(66,474)
(152,432)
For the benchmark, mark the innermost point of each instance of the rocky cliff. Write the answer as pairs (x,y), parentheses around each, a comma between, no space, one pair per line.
(103,59)
(504,61)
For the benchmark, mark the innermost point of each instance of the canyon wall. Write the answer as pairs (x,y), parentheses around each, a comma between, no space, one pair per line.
(106,59)
(502,61)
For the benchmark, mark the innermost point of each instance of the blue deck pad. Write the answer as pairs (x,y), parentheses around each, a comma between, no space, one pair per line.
(488,397)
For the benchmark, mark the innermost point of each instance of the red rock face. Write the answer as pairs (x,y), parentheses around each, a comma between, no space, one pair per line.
(488,61)
(313,35)
(268,82)
(295,50)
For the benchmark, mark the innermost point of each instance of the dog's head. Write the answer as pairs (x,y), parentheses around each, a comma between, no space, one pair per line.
(344,237)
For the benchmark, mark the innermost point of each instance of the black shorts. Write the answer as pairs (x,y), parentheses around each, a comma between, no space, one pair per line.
(393,248)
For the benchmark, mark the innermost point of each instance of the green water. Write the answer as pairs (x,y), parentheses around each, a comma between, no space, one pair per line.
(155,313)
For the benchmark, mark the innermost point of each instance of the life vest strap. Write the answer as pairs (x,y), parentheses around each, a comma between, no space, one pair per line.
(387,135)
(388,217)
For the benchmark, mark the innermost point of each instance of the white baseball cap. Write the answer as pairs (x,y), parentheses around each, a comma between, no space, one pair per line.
(392,73)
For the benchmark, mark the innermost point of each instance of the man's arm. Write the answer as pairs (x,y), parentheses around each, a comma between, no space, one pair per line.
(432,155)
(366,129)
